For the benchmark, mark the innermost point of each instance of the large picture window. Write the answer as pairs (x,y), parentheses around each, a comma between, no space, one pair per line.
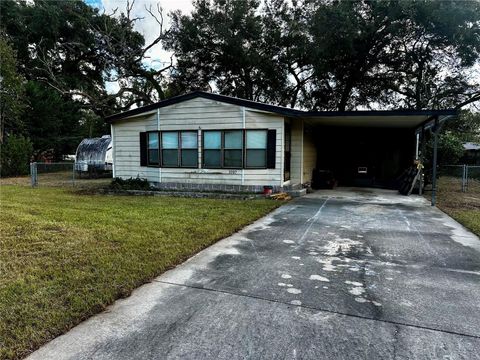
(256,149)
(221,149)
(153,153)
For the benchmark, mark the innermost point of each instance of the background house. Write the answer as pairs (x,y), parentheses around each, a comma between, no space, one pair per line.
(472,154)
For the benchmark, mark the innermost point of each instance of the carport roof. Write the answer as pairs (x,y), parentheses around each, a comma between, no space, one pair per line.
(374,118)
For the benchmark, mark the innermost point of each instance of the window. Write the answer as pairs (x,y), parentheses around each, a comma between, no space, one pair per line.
(189,149)
(170,149)
(233,149)
(153,154)
(212,149)
(223,149)
(179,149)
(256,149)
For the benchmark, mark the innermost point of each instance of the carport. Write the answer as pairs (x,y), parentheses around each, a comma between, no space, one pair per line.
(372,148)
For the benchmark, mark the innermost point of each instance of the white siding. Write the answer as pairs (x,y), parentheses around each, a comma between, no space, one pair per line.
(196,114)
(259,120)
(296,165)
(309,156)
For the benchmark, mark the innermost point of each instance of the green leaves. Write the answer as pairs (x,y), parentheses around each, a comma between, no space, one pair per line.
(322,54)
(16,151)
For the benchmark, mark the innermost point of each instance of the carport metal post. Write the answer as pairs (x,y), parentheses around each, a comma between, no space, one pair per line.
(436,130)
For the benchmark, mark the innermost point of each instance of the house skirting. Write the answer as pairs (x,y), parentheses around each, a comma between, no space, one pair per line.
(219,187)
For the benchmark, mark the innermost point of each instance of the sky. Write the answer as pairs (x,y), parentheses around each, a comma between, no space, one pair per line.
(148,27)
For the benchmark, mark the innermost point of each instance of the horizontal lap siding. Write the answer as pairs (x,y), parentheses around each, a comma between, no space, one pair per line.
(200,113)
(127,148)
(309,156)
(297,152)
(259,120)
(195,114)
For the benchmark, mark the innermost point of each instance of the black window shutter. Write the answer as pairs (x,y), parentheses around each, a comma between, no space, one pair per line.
(143,149)
(271,148)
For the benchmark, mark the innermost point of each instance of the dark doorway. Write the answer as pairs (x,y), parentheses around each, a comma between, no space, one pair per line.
(365,156)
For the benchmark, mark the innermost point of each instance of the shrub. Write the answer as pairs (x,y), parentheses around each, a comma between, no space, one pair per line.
(15,155)
(130,184)
(450,150)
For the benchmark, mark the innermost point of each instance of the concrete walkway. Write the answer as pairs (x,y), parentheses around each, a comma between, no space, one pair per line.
(346,274)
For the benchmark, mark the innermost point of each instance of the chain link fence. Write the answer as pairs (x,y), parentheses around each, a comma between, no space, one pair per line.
(466,177)
(66,174)
(459,186)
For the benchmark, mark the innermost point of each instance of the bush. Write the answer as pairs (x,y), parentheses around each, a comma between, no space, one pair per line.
(450,150)
(15,155)
(130,184)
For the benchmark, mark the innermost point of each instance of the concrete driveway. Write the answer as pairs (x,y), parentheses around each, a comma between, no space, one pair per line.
(346,274)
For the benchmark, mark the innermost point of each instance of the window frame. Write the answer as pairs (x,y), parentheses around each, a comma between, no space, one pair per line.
(203,149)
(162,149)
(180,149)
(247,148)
(148,149)
(244,149)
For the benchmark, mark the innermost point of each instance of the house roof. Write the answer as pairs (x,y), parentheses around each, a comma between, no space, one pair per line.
(347,118)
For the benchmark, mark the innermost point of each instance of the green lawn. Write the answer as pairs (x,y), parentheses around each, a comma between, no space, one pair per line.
(462,206)
(66,256)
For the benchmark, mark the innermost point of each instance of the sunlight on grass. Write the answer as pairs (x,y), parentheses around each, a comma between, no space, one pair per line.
(65,256)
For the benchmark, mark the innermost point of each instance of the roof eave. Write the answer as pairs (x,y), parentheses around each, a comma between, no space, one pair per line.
(273,108)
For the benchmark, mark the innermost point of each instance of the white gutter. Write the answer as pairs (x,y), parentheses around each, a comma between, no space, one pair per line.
(417,144)
(158,129)
(114,148)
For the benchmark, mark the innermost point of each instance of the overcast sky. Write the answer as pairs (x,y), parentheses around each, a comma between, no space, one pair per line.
(148,27)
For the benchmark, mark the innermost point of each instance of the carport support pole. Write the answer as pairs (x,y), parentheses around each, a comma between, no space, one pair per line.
(436,129)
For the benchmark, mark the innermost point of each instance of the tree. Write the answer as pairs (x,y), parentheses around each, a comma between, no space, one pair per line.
(52,120)
(67,53)
(11,91)
(221,47)
(76,50)
(15,155)
(335,55)
(465,127)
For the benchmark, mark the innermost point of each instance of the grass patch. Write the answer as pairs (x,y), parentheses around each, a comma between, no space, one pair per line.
(65,256)
(462,206)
